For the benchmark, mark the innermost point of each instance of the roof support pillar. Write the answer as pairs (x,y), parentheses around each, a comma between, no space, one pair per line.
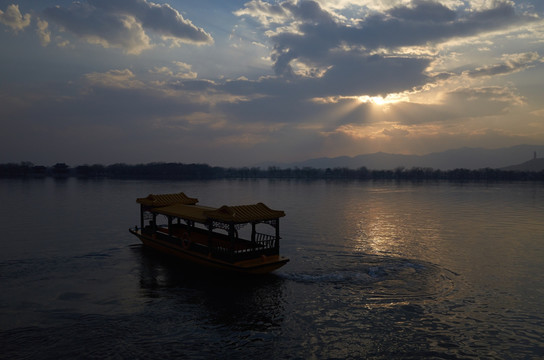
(141,217)
(231,236)
(277,243)
(253,232)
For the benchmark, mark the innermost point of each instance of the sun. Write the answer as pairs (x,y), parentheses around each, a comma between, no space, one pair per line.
(378,100)
(382,101)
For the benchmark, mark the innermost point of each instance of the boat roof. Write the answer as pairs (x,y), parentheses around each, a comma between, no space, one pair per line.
(161,200)
(189,212)
(235,214)
(244,213)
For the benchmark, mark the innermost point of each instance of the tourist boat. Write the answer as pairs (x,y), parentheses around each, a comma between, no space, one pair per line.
(224,238)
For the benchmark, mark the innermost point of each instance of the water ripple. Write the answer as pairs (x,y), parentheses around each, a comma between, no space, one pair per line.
(383,279)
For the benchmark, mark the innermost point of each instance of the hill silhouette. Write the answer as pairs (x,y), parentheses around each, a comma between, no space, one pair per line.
(462,158)
(531,165)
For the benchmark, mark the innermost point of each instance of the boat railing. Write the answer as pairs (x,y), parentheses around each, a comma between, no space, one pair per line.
(265,240)
(264,244)
(221,245)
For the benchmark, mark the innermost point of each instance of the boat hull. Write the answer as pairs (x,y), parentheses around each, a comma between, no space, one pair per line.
(259,265)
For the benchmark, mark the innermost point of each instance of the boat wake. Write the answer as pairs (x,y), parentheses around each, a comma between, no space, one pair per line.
(380,279)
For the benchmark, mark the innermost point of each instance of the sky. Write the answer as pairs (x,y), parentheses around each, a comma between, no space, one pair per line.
(241,83)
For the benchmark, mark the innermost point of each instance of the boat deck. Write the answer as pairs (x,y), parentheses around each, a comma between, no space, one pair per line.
(199,236)
(218,245)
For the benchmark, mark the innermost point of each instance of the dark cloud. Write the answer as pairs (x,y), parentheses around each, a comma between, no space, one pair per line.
(373,75)
(124,23)
(425,22)
(425,11)
(428,22)
(309,12)
(350,76)
(270,110)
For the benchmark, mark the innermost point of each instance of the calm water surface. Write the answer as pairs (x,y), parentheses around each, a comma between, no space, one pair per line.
(378,270)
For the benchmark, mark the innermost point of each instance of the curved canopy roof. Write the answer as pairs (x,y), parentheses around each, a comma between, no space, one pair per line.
(184,207)
(161,200)
(187,212)
(244,213)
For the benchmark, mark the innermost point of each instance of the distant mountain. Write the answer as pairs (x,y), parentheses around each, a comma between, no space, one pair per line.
(531,165)
(466,158)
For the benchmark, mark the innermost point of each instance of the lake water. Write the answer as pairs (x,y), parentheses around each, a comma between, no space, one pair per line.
(378,270)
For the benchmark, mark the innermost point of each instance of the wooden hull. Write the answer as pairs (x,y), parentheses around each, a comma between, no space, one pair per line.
(259,265)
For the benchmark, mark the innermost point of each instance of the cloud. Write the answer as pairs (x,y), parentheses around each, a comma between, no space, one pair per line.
(265,12)
(162,19)
(43,33)
(512,63)
(456,107)
(395,132)
(485,100)
(125,23)
(99,27)
(117,97)
(432,22)
(313,33)
(120,79)
(352,75)
(182,71)
(357,74)
(13,18)
(423,12)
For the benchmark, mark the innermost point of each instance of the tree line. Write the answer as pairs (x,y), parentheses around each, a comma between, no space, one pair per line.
(179,171)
